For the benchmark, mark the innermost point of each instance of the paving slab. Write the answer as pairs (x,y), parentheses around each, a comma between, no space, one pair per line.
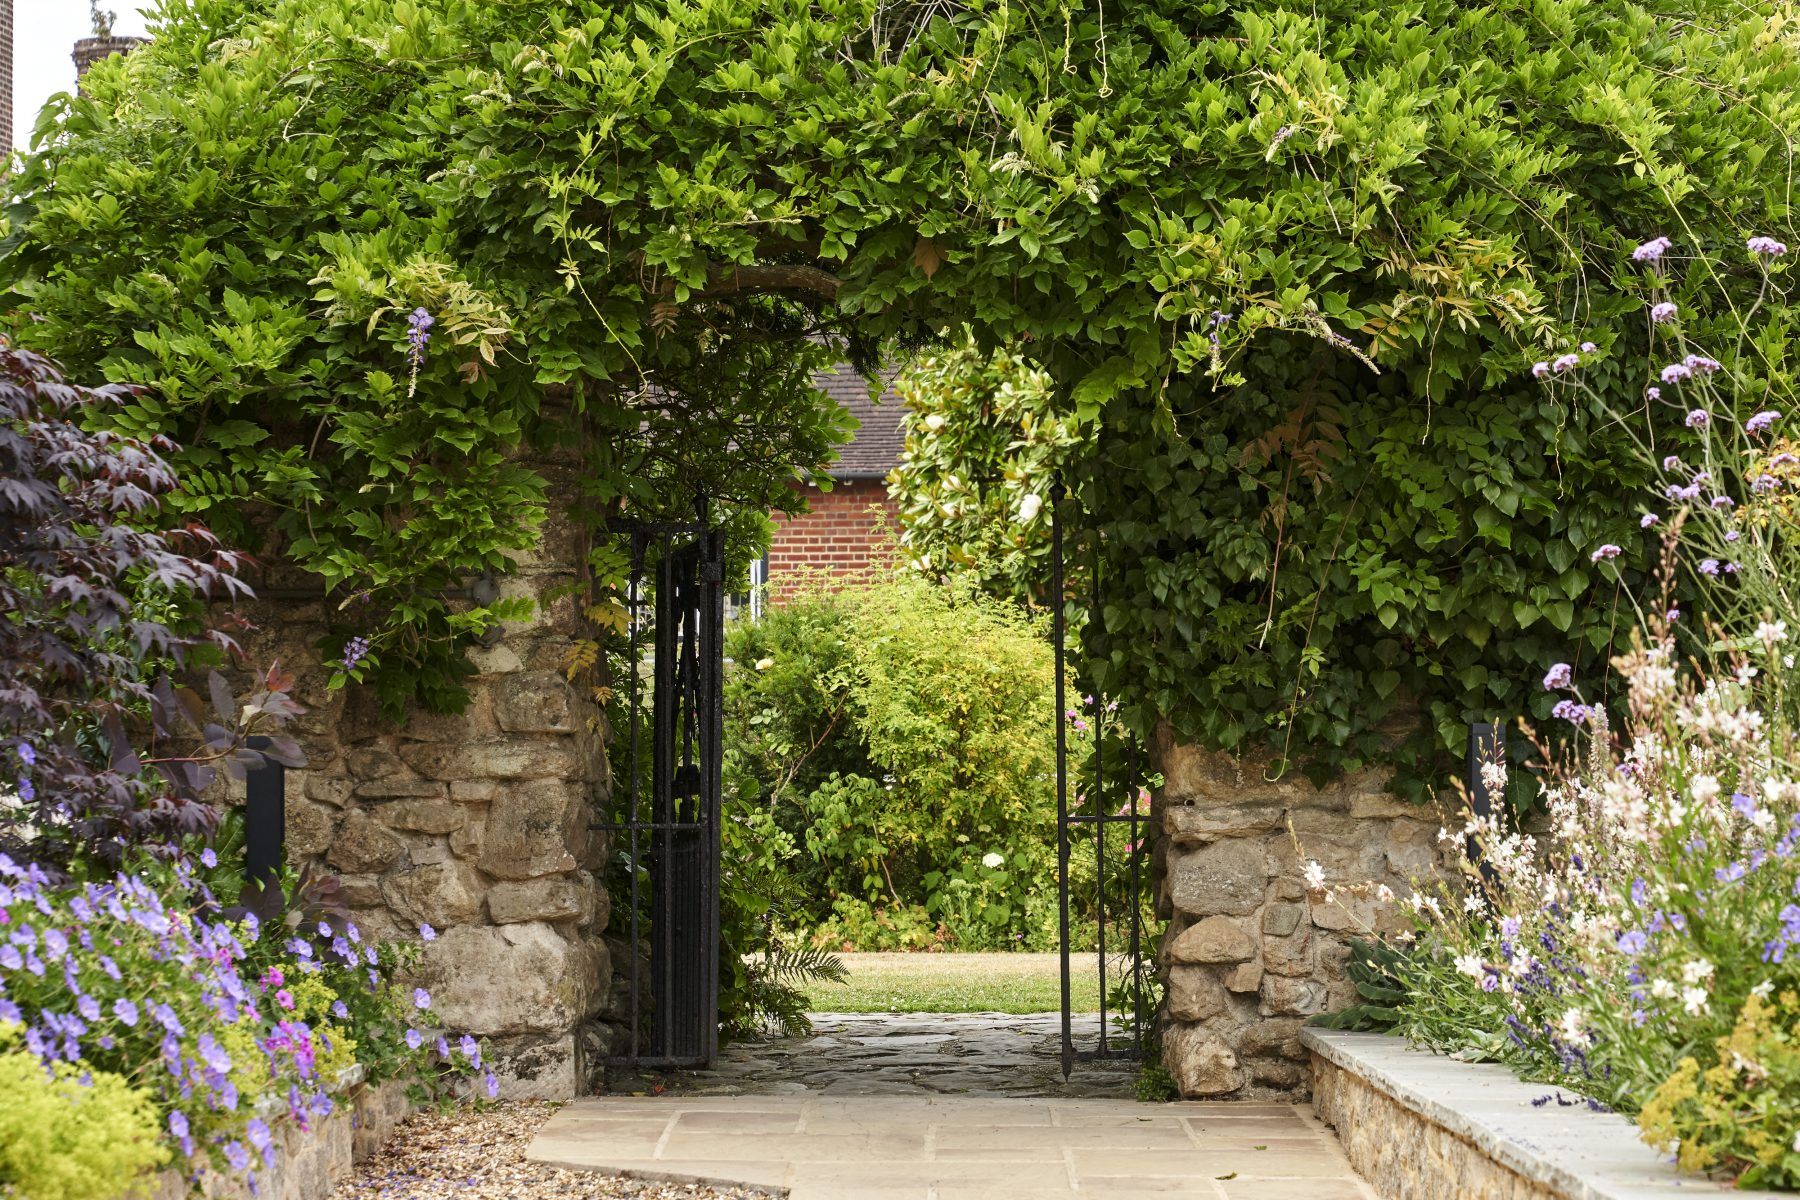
(939,1147)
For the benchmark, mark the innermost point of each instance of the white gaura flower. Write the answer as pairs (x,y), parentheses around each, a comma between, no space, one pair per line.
(1698,971)
(1763,989)
(1662,989)
(1029,506)
(1771,634)
(1470,965)
(1694,1000)
(1570,1028)
(1704,789)
(992,861)
(1384,893)
(1315,875)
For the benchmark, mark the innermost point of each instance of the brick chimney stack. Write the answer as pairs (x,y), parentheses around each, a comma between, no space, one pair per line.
(102,45)
(6,77)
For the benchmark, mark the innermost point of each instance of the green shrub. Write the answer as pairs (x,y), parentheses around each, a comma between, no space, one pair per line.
(896,744)
(68,1132)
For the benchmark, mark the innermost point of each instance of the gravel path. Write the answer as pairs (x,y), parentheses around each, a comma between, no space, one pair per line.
(481,1156)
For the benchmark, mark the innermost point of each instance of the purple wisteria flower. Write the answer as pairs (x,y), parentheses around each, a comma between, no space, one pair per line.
(1559,676)
(355,650)
(1761,421)
(1652,250)
(1698,419)
(1569,710)
(1608,550)
(1766,247)
(1663,313)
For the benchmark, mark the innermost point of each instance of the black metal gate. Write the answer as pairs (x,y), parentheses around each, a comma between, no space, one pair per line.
(665,813)
(1107,814)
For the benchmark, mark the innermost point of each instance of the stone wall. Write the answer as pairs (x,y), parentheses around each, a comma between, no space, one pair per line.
(1250,953)
(477,823)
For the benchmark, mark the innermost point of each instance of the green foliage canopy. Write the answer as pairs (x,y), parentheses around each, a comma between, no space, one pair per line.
(640,214)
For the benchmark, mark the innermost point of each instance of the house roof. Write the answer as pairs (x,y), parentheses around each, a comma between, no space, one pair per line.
(875,448)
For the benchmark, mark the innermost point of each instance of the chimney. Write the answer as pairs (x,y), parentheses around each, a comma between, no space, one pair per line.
(102,45)
(6,77)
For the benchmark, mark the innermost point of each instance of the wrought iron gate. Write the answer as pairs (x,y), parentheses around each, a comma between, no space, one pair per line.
(665,817)
(1106,813)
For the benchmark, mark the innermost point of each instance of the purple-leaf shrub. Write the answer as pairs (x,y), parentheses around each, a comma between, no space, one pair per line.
(96,751)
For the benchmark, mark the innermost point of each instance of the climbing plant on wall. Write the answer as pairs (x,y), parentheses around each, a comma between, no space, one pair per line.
(646,217)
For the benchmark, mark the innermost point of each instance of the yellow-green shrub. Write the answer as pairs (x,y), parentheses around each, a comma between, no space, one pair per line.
(71,1135)
(1742,1114)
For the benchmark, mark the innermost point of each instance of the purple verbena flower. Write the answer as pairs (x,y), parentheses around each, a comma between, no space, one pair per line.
(1761,421)
(1608,550)
(1648,520)
(1766,247)
(1652,250)
(1560,676)
(1698,419)
(1663,313)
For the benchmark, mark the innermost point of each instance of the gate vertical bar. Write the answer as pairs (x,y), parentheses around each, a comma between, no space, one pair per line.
(712,658)
(633,816)
(1059,622)
(1096,619)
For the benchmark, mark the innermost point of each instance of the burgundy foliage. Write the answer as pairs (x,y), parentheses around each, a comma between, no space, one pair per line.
(101,750)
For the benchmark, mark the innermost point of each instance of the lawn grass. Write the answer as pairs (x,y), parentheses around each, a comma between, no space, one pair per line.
(1008,983)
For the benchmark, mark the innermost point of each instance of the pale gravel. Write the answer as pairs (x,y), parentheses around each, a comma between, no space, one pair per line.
(473,1155)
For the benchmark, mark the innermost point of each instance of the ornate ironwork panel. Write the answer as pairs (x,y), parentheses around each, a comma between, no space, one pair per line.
(1105,814)
(665,818)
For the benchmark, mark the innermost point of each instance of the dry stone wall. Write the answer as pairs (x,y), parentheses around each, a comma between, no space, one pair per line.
(1250,953)
(476,824)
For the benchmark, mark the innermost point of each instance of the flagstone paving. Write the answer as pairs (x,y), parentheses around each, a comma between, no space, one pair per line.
(924,1106)
(955,1148)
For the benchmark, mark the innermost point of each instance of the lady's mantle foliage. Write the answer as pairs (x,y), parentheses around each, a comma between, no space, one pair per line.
(645,209)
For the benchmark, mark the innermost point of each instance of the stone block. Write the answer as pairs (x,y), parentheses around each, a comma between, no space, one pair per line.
(537,1068)
(373,762)
(422,816)
(496,660)
(536,702)
(1225,878)
(1275,1072)
(327,789)
(363,846)
(496,758)
(473,791)
(1278,1036)
(1200,1062)
(1282,996)
(1289,955)
(509,979)
(560,898)
(1279,920)
(441,894)
(398,788)
(1245,977)
(1213,940)
(1355,912)
(308,829)
(534,829)
(1195,994)
(466,842)
(1195,824)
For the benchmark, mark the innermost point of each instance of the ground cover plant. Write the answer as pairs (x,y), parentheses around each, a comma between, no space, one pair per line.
(1638,944)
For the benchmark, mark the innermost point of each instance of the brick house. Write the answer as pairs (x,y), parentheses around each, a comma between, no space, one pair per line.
(840,532)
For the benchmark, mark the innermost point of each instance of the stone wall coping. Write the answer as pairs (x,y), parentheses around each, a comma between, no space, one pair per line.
(1571,1151)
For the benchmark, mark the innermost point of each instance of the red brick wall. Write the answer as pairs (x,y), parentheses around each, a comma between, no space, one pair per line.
(838,535)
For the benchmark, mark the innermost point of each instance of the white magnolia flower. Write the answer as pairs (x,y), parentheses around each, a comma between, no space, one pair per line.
(1694,1000)
(934,422)
(1470,965)
(991,860)
(763,664)
(1029,506)
(1315,875)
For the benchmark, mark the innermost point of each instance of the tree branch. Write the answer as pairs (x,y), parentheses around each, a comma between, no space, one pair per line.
(731,281)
